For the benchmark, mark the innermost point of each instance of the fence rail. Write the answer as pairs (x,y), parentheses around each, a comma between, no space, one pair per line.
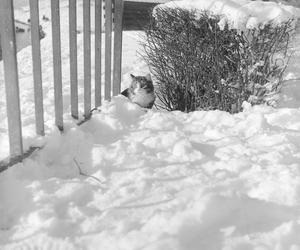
(98,46)
(8,43)
(37,66)
(73,58)
(108,45)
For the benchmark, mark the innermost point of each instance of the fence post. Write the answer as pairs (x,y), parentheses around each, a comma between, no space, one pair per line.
(98,47)
(56,45)
(8,43)
(108,45)
(73,58)
(87,56)
(118,32)
(36,64)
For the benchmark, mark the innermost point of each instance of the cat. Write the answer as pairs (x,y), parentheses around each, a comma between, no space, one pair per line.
(141,91)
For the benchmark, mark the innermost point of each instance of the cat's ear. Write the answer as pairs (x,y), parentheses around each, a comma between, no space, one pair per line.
(148,77)
(132,76)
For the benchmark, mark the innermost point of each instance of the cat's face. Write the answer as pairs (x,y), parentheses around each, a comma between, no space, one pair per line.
(142,82)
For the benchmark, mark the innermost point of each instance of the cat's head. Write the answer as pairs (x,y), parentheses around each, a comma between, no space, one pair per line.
(142,82)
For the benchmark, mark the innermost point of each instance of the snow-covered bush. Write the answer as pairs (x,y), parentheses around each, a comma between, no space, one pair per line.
(202,65)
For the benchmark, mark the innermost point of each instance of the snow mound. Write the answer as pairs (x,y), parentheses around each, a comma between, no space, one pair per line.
(240,14)
(135,179)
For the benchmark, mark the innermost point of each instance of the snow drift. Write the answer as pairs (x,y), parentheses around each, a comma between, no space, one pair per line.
(130,179)
(240,14)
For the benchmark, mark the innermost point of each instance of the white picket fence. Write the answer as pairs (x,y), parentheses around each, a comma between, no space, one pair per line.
(112,78)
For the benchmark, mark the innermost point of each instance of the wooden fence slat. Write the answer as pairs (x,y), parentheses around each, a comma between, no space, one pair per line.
(8,43)
(108,47)
(118,35)
(98,46)
(56,45)
(73,57)
(87,56)
(37,67)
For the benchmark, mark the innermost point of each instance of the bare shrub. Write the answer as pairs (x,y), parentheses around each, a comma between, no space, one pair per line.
(199,66)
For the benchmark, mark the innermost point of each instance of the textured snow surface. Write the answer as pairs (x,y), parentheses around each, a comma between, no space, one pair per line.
(158,180)
(131,179)
(240,14)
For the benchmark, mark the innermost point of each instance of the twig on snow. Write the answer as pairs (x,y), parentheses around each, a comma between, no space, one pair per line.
(86,175)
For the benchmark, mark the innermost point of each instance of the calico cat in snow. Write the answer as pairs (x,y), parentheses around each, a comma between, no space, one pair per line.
(141,91)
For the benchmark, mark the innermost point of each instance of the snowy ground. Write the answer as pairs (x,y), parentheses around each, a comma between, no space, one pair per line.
(135,180)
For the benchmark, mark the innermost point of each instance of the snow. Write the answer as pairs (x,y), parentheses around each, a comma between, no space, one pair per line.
(159,180)
(240,14)
(133,179)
